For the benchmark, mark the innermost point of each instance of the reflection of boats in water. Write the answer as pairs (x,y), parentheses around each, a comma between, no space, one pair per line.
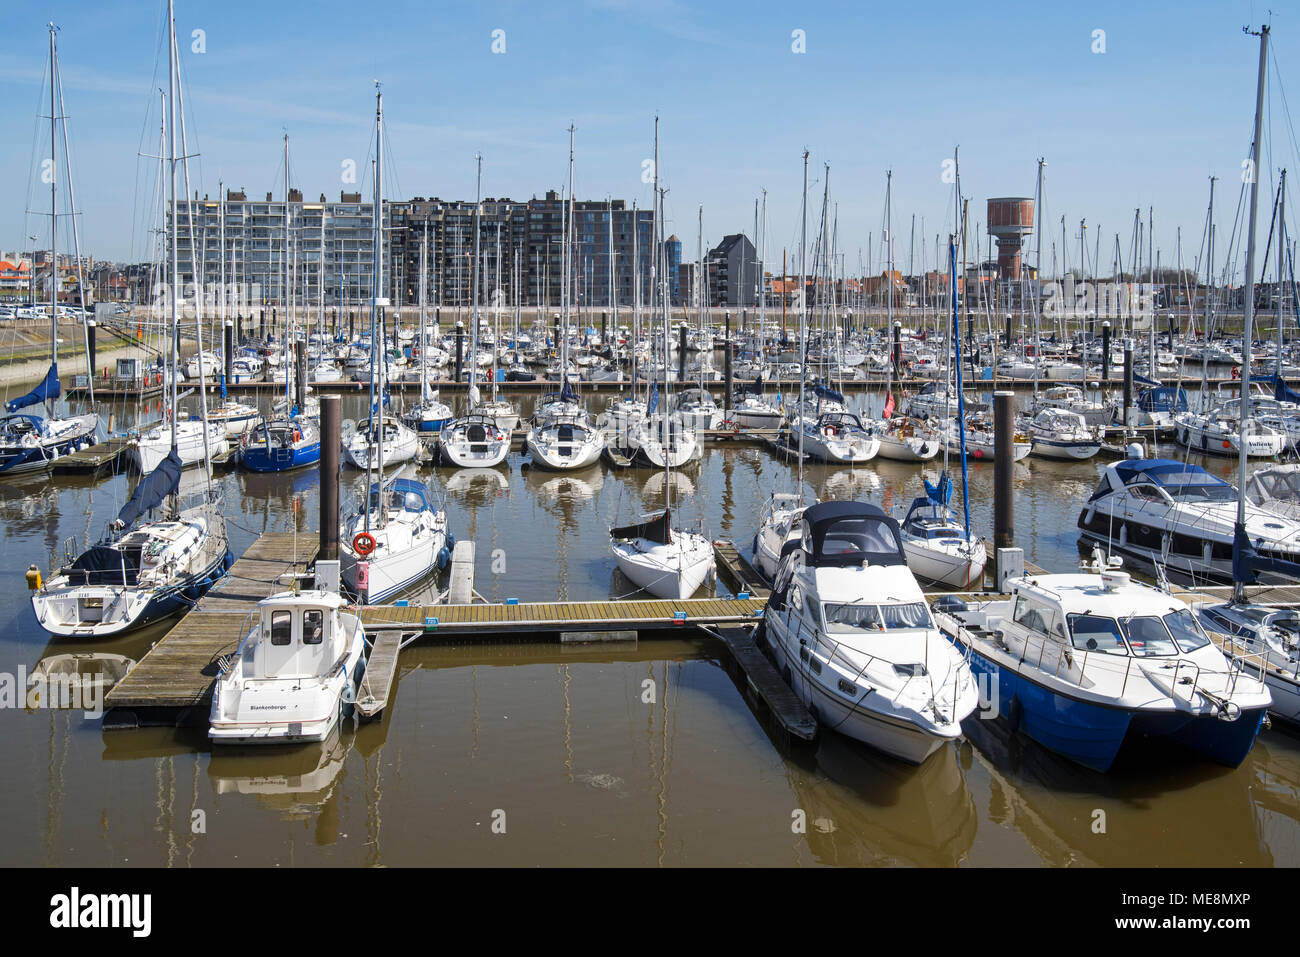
(477,486)
(294,780)
(657,484)
(567,487)
(848,484)
(865,809)
(80,679)
(1058,806)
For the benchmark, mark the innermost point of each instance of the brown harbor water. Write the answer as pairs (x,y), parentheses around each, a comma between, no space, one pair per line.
(532,754)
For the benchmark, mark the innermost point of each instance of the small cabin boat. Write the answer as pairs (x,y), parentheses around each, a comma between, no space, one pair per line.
(296,672)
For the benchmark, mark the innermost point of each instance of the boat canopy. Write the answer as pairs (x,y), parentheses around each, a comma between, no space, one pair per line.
(850,533)
(153,488)
(411,495)
(657,529)
(1163,399)
(1168,473)
(103,565)
(48,389)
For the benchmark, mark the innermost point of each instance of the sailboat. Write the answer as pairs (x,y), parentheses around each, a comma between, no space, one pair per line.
(28,442)
(475,440)
(780,522)
(397,537)
(667,562)
(564,440)
(291,440)
(430,414)
(938,547)
(142,571)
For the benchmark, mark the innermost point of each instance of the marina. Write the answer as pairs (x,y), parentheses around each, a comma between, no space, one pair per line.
(388,530)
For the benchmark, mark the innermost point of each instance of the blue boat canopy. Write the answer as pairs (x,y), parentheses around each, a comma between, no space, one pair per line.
(48,389)
(850,533)
(153,488)
(413,495)
(1163,399)
(1169,473)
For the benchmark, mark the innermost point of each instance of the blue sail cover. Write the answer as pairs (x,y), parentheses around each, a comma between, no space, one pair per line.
(1282,392)
(653,402)
(1247,561)
(825,392)
(153,488)
(49,389)
(566,393)
(940,494)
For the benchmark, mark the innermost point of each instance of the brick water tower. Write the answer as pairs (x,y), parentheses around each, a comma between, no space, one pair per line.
(1010,220)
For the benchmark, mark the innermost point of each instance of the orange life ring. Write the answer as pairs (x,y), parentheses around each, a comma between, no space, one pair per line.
(363,543)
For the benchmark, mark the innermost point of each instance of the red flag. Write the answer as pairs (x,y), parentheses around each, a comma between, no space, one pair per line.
(889,405)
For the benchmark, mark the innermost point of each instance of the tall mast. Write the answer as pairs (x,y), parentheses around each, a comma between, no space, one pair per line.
(803,315)
(171,195)
(473,349)
(1239,533)
(1038,274)
(1209,281)
(424,256)
(284,294)
(570,237)
(56,76)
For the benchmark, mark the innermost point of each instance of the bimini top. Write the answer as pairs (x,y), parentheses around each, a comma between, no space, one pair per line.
(1180,479)
(1165,472)
(403,493)
(850,533)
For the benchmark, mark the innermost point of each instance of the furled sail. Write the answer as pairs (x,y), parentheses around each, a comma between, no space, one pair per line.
(153,489)
(48,389)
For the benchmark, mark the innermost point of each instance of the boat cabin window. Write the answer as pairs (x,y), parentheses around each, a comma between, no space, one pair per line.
(1186,630)
(845,619)
(313,626)
(281,627)
(911,615)
(1147,636)
(1038,616)
(1147,492)
(1096,633)
(852,535)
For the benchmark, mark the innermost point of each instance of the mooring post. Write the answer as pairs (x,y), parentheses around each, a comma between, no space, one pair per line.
(91,326)
(460,347)
(228,351)
(300,374)
(1128,378)
(681,353)
(1105,352)
(331,442)
(1004,431)
(726,361)
(898,347)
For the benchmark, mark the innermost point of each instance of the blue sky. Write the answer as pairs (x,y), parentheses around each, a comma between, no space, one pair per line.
(880,86)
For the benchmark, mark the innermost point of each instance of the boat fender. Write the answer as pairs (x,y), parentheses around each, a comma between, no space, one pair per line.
(33,578)
(1014,710)
(444,556)
(754,551)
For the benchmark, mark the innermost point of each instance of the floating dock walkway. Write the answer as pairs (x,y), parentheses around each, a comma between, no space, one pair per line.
(172,683)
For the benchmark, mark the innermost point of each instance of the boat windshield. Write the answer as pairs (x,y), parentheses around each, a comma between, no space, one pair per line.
(1148,637)
(849,618)
(1197,487)
(1186,630)
(1096,633)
